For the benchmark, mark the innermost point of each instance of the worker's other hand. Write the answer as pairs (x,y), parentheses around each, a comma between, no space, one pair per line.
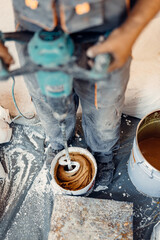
(5,56)
(118,44)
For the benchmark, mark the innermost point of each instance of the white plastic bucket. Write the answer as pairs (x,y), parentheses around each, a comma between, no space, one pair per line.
(82,192)
(143,175)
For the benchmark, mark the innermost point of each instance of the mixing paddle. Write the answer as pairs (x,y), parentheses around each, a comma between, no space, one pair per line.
(73,166)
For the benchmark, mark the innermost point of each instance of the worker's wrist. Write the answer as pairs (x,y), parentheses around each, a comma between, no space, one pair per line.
(139,17)
(127,37)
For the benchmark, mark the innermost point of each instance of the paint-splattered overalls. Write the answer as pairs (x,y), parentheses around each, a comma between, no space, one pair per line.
(100,124)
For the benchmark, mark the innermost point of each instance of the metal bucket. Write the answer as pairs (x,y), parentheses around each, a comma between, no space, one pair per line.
(156,232)
(82,192)
(144,176)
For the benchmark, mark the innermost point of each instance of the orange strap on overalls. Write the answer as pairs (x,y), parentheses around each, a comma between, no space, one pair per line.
(128,6)
(33,4)
(95,96)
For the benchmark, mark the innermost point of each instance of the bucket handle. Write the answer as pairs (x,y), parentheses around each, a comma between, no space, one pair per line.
(135,159)
(140,162)
(150,173)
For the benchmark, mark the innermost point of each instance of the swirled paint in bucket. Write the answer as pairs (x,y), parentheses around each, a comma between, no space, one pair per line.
(77,183)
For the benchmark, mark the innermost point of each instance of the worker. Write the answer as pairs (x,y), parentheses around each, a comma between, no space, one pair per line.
(102,103)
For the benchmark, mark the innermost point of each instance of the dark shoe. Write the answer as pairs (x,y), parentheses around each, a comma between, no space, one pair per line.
(104,174)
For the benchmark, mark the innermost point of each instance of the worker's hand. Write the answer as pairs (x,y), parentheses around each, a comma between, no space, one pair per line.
(5,56)
(118,44)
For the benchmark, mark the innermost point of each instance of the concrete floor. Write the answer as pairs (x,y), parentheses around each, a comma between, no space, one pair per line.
(144,71)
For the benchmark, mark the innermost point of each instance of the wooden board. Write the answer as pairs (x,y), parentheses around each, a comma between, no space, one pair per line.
(80,218)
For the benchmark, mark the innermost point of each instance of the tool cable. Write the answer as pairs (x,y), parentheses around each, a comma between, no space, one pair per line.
(15,103)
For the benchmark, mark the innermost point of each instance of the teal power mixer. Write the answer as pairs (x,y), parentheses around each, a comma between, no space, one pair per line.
(52,49)
(51,58)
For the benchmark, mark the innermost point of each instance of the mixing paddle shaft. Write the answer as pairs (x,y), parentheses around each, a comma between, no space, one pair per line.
(63,129)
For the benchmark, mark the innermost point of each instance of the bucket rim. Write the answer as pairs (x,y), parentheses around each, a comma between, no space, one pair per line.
(138,126)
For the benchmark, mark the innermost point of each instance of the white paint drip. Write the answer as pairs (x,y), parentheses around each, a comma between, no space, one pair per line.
(34,134)
(100,188)
(23,166)
(19,179)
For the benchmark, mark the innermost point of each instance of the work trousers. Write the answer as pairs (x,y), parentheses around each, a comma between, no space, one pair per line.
(102,105)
